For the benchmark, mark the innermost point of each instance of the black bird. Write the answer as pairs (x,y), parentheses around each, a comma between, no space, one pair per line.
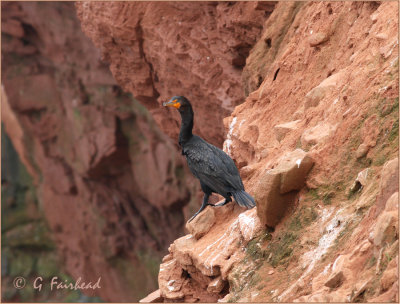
(212,166)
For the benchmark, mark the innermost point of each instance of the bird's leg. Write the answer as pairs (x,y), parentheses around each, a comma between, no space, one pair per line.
(227,200)
(205,203)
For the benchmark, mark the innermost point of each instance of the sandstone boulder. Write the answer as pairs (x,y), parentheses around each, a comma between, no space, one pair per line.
(386,229)
(359,288)
(170,280)
(202,223)
(294,168)
(276,188)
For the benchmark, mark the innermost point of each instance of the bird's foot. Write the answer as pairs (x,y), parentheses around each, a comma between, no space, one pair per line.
(204,205)
(192,218)
(196,214)
(223,203)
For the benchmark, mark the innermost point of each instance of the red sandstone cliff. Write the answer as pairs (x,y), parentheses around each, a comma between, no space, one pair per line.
(160,49)
(316,141)
(111,185)
(323,96)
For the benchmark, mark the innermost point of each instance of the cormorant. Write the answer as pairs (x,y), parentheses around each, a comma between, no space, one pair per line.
(212,166)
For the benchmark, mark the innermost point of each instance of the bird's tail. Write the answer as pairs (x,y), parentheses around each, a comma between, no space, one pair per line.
(244,199)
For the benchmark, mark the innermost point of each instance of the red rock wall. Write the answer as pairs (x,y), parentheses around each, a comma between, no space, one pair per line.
(111,184)
(160,49)
(322,78)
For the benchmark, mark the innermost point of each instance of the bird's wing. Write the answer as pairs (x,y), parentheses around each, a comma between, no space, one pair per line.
(213,167)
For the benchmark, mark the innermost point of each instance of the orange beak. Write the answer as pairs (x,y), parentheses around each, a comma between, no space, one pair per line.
(172,103)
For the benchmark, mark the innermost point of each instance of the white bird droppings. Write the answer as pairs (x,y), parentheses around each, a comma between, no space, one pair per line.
(169,284)
(228,141)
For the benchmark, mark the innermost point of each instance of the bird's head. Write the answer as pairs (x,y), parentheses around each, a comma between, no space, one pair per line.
(179,102)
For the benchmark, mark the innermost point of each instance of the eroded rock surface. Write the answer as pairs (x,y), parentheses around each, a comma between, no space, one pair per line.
(332,244)
(330,66)
(198,269)
(160,49)
(110,183)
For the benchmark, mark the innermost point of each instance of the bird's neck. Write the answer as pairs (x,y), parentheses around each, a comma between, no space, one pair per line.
(186,126)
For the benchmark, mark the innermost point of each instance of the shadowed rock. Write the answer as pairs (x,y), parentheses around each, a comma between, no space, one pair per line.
(277,187)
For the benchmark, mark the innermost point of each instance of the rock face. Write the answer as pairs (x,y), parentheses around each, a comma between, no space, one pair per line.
(198,269)
(27,245)
(311,83)
(160,49)
(331,67)
(110,183)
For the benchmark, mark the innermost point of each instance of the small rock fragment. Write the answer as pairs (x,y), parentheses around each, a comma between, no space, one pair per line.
(374,17)
(216,285)
(299,114)
(335,280)
(362,151)
(225,299)
(360,181)
(359,289)
(317,38)
(154,297)
(381,36)
(313,97)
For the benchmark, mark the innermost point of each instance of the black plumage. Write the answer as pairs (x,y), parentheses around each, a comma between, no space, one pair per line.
(212,166)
